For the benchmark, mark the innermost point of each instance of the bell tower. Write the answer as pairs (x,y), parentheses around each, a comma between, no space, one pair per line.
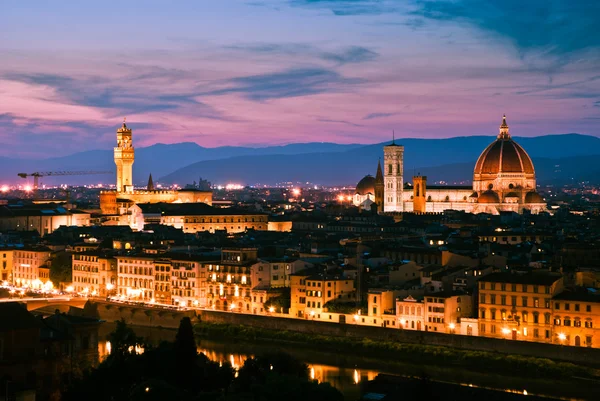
(393,159)
(124,157)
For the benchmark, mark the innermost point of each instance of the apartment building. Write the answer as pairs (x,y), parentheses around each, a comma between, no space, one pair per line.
(228,282)
(276,272)
(518,306)
(136,277)
(26,264)
(441,312)
(94,273)
(576,317)
(310,292)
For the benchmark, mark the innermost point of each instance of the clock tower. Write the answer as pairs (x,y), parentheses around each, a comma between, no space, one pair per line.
(124,157)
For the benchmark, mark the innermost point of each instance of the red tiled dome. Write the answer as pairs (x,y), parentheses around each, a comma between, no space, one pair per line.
(504,156)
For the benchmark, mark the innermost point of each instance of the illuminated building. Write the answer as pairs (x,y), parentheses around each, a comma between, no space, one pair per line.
(94,273)
(393,162)
(229,282)
(125,195)
(26,265)
(310,292)
(196,217)
(576,318)
(136,277)
(439,312)
(518,306)
(503,180)
(6,265)
(44,218)
(369,191)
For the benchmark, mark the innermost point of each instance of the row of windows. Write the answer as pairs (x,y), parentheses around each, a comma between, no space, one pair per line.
(225,220)
(514,287)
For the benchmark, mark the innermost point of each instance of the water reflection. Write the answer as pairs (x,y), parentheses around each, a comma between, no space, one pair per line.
(345,371)
(346,380)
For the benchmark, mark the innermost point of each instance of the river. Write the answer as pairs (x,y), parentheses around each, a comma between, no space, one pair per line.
(347,372)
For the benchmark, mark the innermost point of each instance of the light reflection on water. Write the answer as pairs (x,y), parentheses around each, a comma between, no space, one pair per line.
(345,375)
(346,380)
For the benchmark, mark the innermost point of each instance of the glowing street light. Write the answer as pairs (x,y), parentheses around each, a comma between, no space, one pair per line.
(110,286)
(505,331)
(271,309)
(562,336)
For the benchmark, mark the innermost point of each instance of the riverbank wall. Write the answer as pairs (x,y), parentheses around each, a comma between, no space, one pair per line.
(136,315)
(578,355)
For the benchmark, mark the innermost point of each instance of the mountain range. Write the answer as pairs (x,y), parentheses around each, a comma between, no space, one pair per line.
(557,158)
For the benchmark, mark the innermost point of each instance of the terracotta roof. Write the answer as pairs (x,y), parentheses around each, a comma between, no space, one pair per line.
(506,156)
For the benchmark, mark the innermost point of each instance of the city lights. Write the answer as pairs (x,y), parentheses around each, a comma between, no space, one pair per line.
(562,336)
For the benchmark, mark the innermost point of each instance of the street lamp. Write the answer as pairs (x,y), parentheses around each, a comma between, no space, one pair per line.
(452,326)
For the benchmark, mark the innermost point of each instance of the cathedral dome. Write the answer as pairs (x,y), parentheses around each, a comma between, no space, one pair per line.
(504,156)
(533,197)
(489,197)
(366,186)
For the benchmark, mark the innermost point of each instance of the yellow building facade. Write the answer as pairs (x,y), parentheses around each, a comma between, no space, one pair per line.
(94,273)
(518,307)
(26,265)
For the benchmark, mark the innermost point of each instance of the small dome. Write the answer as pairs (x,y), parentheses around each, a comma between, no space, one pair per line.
(533,197)
(511,195)
(366,186)
(489,197)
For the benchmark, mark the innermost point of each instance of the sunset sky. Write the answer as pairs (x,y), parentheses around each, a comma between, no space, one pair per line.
(227,72)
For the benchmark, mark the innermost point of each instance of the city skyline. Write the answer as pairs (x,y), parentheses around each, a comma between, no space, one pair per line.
(279,72)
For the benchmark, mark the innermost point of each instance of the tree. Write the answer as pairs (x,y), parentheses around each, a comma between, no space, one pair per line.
(61,267)
(186,350)
(123,341)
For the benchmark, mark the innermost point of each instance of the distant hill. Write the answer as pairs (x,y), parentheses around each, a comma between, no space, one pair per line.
(159,159)
(449,159)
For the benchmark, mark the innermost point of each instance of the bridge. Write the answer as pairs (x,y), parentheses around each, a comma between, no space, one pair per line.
(50,304)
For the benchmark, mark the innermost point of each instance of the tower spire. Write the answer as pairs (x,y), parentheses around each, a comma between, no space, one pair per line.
(504,134)
(393,137)
(150,183)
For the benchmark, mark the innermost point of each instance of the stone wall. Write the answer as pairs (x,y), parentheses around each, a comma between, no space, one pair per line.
(136,315)
(579,355)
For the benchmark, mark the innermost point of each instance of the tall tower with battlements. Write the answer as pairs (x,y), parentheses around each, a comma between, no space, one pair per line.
(124,158)
(393,161)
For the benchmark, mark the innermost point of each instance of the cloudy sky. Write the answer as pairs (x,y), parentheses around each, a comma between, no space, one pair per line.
(235,72)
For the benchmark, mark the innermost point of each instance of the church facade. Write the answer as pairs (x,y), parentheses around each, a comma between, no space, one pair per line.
(503,180)
(125,195)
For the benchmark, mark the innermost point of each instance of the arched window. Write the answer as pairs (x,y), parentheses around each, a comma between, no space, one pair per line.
(390,169)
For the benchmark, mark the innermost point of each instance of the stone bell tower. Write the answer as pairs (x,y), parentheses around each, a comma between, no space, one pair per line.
(393,159)
(124,157)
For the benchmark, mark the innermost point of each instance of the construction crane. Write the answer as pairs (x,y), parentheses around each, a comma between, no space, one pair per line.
(39,174)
